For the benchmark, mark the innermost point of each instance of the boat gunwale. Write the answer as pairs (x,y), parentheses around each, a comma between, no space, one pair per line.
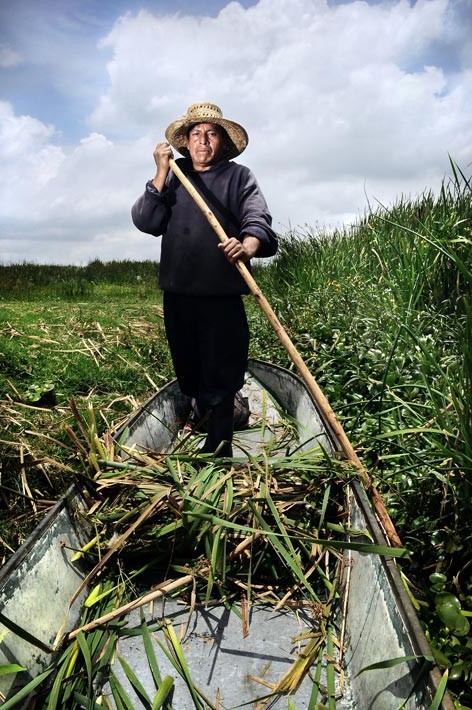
(72,493)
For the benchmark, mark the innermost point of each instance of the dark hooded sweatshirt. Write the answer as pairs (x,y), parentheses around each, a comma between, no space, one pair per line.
(191,262)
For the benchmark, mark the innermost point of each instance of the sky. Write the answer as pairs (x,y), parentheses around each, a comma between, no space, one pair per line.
(349,105)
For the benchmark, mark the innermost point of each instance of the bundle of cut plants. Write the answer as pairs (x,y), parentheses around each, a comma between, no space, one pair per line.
(191,557)
(273,529)
(267,534)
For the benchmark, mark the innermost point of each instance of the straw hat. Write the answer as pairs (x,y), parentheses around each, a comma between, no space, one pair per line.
(176,132)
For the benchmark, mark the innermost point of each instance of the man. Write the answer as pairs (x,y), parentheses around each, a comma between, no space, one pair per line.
(204,315)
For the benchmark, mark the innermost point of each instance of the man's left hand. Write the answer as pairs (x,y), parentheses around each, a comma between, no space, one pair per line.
(234,250)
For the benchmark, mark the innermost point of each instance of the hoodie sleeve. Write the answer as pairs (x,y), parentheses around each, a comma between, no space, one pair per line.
(150,212)
(255,216)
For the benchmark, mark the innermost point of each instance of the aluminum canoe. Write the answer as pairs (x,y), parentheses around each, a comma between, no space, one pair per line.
(38,582)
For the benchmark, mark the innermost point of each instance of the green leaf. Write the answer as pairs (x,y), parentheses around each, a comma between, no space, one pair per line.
(439,695)
(11,668)
(120,697)
(162,694)
(85,650)
(136,683)
(394,662)
(25,635)
(26,690)
(86,701)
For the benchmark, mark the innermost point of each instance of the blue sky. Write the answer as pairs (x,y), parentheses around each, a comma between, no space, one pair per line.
(346,104)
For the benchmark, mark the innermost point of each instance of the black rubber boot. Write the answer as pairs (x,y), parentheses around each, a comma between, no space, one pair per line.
(219,428)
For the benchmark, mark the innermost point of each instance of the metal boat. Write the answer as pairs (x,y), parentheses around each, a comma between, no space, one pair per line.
(381,624)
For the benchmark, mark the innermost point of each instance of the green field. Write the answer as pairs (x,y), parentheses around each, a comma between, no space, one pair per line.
(380,312)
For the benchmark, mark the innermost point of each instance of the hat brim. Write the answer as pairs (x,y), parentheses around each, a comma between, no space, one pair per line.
(176,134)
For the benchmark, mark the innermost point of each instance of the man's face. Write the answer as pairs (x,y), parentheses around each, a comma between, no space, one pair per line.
(205,144)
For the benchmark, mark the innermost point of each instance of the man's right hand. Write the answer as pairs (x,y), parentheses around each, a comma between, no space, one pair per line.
(162,154)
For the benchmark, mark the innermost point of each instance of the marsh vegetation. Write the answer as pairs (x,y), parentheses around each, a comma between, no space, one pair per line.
(381,312)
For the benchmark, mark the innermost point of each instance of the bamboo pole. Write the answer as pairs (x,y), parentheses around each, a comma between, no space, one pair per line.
(166,588)
(298,361)
(170,585)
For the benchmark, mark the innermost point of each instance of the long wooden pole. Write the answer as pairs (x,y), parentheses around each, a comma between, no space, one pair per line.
(297,360)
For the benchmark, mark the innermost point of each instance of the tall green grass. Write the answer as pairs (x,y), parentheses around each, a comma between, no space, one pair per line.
(382,312)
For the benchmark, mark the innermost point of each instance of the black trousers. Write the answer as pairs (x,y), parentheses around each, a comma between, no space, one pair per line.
(208,338)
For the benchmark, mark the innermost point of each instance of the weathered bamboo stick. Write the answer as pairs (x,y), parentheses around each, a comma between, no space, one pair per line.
(161,591)
(298,361)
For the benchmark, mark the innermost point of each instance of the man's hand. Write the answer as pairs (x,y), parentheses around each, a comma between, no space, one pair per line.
(162,154)
(234,250)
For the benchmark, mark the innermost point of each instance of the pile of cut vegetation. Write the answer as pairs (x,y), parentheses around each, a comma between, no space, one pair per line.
(265,537)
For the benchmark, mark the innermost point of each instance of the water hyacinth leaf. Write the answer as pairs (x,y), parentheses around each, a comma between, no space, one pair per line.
(449,610)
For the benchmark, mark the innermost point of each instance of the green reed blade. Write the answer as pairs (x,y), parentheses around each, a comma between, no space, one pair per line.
(163,693)
(120,697)
(135,683)
(25,635)
(150,653)
(85,650)
(23,693)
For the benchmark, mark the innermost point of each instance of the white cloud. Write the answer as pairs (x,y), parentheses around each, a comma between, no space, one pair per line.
(29,161)
(342,104)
